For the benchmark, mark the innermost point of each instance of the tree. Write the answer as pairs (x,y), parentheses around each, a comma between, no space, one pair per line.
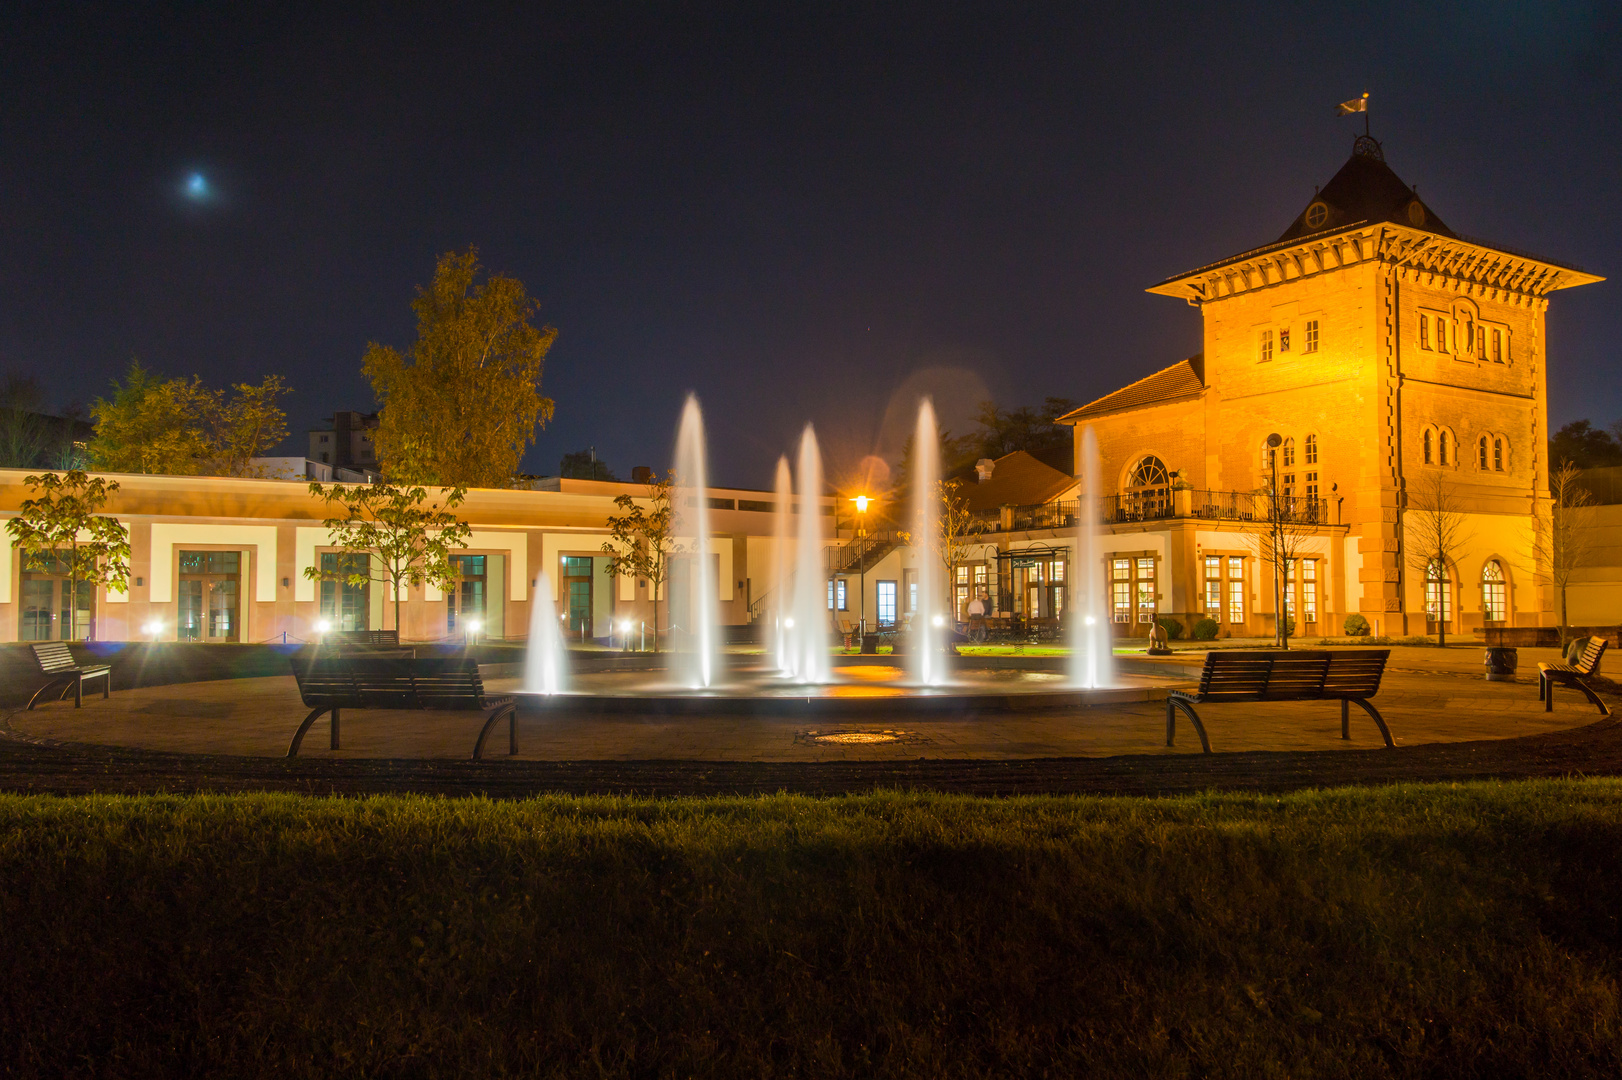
(151,425)
(183,428)
(1437,532)
(1563,537)
(410,537)
(1290,522)
(1032,430)
(643,542)
(957,526)
(462,404)
(583,465)
(63,531)
(1585,446)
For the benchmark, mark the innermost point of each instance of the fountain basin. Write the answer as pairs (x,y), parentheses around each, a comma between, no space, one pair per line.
(866,690)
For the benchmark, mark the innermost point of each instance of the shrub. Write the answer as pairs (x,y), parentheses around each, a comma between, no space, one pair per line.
(1173,628)
(1206,630)
(1356,625)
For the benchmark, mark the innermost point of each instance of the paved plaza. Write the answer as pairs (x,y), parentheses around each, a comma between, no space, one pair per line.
(1428,696)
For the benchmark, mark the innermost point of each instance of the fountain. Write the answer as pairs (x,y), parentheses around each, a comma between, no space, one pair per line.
(1091,659)
(801,677)
(929,617)
(546,661)
(808,614)
(782,534)
(696,658)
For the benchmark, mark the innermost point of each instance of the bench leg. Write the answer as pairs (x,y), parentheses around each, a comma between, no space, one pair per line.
(298,736)
(1548,691)
(1604,710)
(78,693)
(1385,732)
(490,721)
(52,685)
(1194,717)
(1345,719)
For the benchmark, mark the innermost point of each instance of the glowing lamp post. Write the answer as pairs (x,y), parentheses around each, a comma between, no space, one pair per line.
(861,502)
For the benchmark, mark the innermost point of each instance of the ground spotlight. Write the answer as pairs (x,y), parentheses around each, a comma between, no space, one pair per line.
(323,627)
(940,620)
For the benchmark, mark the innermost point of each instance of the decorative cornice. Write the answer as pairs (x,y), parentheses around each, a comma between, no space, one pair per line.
(1468,266)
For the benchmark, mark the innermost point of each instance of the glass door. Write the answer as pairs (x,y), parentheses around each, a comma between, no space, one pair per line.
(209,588)
(465,600)
(577,589)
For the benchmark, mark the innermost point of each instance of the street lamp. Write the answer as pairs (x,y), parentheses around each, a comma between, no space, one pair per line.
(1276,527)
(861,502)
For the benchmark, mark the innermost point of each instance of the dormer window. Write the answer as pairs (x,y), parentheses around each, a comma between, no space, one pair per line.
(1316,215)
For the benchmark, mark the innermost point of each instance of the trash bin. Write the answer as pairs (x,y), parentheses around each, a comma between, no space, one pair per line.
(1501,663)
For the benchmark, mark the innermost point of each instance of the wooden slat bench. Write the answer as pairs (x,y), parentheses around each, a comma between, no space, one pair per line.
(1573,675)
(1346,675)
(332,683)
(56,661)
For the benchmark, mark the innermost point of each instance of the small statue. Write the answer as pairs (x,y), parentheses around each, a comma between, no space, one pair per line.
(1158,645)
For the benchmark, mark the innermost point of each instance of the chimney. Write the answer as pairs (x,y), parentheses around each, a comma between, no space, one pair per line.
(641,474)
(983,468)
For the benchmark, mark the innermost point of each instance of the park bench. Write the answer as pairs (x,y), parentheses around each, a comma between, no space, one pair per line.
(1346,675)
(1576,675)
(56,661)
(333,683)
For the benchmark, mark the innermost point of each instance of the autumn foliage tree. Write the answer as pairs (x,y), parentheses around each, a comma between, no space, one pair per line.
(460,406)
(181,427)
(62,530)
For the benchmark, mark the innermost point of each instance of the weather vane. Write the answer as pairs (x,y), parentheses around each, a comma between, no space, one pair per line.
(1366,143)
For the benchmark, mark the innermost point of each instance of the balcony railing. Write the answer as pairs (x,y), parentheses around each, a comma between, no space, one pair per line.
(1130,508)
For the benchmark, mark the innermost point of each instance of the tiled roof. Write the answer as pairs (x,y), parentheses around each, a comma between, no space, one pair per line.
(1183,379)
(1017,479)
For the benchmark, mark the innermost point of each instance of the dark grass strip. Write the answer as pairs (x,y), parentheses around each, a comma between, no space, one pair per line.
(1440,930)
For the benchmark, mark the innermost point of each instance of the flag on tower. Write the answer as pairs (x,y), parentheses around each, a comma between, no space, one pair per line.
(1347,108)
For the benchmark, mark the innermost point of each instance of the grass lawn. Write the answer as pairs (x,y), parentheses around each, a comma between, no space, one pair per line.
(1438,930)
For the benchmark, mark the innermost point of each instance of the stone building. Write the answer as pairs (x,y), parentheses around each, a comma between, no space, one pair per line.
(1402,365)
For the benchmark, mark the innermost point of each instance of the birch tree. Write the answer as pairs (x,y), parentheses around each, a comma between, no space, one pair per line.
(1437,533)
(1563,536)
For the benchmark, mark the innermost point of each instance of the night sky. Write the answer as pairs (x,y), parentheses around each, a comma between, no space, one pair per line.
(801,212)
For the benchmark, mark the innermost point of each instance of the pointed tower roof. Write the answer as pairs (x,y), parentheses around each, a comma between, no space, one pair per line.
(1365,189)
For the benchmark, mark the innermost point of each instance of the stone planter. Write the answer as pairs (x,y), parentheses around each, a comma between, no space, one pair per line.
(1502,660)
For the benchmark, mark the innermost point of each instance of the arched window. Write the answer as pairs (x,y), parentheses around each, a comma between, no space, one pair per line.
(1289,452)
(1312,449)
(1481,453)
(1443,442)
(1429,441)
(1498,455)
(1494,594)
(1148,489)
(1269,457)
(1438,602)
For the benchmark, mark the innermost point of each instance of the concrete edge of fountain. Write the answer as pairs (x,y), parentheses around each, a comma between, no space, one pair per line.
(1174,666)
(905,704)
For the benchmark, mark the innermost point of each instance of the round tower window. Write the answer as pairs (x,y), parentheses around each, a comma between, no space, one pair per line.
(1317,214)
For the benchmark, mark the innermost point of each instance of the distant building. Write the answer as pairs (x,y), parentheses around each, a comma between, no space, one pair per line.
(348,443)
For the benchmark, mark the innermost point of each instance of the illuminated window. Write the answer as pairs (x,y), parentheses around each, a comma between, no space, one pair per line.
(886,596)
(1148,489)
(1213,586)
(1284,340)
(1121,589)
(843,598)
(1424,331)
(1428,446)
(1312,485)
(1236,589)
(1289,452)
(1497,346)
(1498,455)
(1267,345)
(1438,602)
(1289,591)
(1494,595)
(830,594)
(1309,590)
(1481,453)
(1312,449)
(1310,345)
(1146,590)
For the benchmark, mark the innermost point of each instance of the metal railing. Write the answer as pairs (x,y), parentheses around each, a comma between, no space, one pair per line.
(860,552)
(1158,506)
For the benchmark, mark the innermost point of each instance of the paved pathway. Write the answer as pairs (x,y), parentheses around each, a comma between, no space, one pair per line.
(1429,696)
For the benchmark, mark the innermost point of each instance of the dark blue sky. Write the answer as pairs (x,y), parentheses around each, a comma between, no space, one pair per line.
(802,212)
